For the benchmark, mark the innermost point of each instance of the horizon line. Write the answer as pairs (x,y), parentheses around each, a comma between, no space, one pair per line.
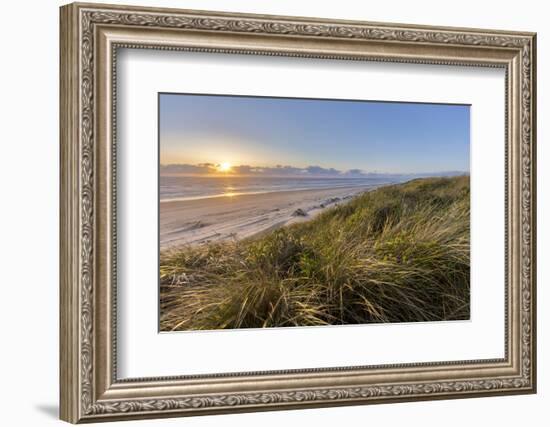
(202,169)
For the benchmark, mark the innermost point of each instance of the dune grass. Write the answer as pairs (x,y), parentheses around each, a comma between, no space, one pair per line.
(400,253)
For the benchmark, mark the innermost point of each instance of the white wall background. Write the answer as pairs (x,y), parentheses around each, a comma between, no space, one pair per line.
(29,170)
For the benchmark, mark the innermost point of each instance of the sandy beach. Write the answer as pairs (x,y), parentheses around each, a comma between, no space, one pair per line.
(237,217)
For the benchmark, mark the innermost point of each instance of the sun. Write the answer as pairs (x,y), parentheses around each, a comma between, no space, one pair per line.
(224,167)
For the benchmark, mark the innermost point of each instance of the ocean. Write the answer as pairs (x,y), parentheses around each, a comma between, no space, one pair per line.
(180,187)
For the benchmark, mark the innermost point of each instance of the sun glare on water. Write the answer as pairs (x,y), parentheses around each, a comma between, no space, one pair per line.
(224,167)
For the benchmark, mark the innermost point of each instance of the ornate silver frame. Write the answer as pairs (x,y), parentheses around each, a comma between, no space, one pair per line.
(90,36)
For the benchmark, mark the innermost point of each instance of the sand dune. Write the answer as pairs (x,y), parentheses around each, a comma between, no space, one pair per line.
(237,217)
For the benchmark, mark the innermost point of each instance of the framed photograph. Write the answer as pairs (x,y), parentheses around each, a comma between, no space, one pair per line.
(266,212)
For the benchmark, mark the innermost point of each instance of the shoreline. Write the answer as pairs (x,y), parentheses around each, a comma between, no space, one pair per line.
(255,193)
(236,217)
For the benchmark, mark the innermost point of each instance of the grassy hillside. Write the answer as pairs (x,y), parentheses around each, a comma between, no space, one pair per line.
(397,254)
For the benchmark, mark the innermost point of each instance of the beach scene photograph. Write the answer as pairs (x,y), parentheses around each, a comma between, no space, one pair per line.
(293,212)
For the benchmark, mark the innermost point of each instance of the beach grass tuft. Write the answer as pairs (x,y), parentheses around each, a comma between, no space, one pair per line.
(400,253)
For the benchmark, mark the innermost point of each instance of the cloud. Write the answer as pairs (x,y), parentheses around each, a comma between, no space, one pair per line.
(279,170)
(318,170)
(352,172)
(186,169)
(286,170)
(242,169)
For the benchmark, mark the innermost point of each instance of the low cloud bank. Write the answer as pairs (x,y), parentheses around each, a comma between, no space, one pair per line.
(285,170)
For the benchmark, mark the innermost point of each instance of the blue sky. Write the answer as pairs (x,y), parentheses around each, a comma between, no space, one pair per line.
(371,136)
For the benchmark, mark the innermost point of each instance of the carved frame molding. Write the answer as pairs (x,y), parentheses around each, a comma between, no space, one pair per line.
(90,36)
